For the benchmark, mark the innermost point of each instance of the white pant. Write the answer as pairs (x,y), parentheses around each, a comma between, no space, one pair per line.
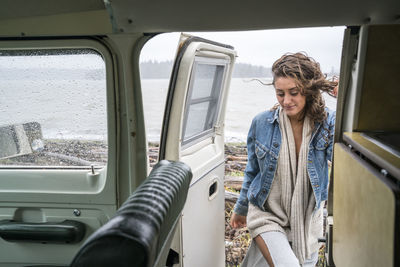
(280,250)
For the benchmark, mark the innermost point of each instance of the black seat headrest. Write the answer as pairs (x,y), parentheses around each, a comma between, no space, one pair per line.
(139,230)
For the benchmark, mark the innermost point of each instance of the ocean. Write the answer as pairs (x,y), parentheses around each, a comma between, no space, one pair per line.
(79,111)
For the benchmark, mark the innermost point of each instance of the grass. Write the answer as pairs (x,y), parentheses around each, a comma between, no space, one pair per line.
(235,173)
(237,240)
(231,190)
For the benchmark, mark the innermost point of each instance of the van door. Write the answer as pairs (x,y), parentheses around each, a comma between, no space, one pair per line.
(58,184)
(193,132)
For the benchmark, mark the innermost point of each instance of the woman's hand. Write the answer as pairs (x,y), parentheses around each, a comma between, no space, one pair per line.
(335,90)
(237,221)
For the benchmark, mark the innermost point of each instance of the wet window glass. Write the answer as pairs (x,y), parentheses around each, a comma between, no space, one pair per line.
(196,118)
(203,100)
(52,108)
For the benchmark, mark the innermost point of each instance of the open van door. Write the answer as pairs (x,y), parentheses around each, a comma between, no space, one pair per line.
(57,185)
(193,132)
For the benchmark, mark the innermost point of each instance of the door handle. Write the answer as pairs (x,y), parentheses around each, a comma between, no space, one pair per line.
(67,231)
(213,189)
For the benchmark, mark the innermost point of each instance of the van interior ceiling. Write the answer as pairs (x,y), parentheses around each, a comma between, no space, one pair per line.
(76,17)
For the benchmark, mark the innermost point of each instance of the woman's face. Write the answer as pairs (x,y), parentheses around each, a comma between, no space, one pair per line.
(289,96)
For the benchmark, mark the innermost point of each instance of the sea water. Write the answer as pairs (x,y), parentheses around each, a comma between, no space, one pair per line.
(79,111)
(247,97)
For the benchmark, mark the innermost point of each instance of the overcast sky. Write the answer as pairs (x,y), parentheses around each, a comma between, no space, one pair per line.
(262,47)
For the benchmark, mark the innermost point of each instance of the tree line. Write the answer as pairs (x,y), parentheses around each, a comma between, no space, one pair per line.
(162,70)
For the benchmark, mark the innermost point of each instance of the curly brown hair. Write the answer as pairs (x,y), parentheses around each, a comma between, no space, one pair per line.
(308,76)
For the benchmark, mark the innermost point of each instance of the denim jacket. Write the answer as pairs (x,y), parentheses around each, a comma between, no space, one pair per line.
(263,146)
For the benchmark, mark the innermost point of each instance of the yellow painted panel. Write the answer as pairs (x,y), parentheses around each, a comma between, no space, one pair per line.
(363,214)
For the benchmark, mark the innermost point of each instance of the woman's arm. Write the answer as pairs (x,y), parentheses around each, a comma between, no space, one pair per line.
(331,127)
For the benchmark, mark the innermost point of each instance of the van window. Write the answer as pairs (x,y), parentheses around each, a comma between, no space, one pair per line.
(203,99)
(52,108)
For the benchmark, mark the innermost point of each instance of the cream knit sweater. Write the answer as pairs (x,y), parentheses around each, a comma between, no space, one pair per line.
(290,203)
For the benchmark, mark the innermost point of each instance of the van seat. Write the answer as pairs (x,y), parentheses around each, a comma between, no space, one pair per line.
(141,231)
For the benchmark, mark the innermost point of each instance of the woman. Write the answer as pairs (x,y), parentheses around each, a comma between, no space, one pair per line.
(286,177)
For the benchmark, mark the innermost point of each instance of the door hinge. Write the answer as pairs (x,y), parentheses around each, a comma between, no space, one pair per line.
(218,130)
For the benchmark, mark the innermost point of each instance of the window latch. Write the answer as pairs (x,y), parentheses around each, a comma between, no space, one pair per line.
(218,130)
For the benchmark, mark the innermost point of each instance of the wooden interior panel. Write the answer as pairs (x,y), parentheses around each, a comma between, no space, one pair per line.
(380,96)
(364,213)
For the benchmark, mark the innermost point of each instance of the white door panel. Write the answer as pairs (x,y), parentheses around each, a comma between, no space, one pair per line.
(68,186)
(204,159)
(193,133)
(28,252)
(203,222)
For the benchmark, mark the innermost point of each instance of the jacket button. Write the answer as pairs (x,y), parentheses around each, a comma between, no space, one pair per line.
(271,169)
(276,144)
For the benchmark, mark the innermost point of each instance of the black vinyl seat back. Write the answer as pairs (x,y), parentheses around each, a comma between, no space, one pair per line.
(144,224)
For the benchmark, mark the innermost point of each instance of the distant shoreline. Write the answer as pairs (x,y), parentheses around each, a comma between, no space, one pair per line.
(162,69)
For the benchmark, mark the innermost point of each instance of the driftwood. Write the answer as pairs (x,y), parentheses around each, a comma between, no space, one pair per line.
(234,182)
(236,158)
(242,158)
(231,197)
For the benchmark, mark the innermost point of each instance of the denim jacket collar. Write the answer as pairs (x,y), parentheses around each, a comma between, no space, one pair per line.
(275,116)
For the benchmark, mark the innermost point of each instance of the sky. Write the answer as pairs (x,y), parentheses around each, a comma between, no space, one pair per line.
(262,47)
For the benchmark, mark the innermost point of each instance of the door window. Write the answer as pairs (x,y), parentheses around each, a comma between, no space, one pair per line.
(52,108)
(202,103)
